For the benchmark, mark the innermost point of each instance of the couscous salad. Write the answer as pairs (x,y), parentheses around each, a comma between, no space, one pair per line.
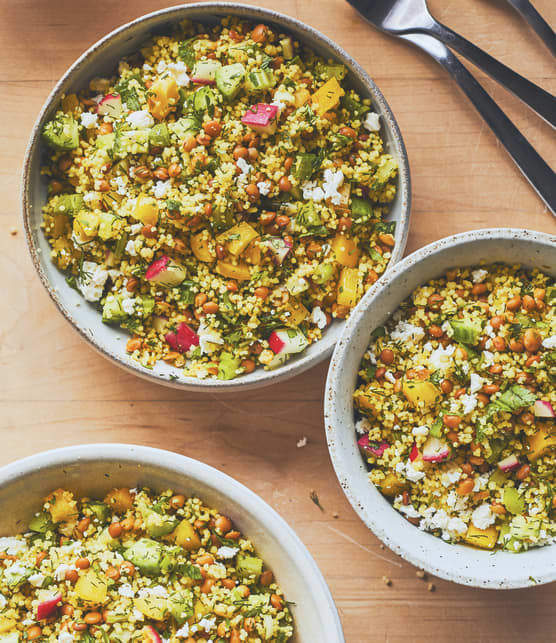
(221,197)
(456,405)
(136,567)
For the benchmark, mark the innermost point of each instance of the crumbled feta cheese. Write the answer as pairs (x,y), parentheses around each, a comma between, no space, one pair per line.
(140,119)
(302,442)
(332,181)
(409,511)
(183,632)
(263,187)
(147,67)
(130,248)
(137,615)
(126,590)
(549,342)
(136,228)
(468,403)
(318,317)
(311,191)
(3,601)
(14,572)
(11,545)
(208,337)
(372,122)
(412,474)
(447,328)
(456,527)
(161,67)
(179,72)
(476,383)
(36,579)
(94,278)
(282,98)
(450,477)
(405,332)
(89,196)
(483,517)
(207,624)
(128,305)
(244,166)
(479,275)
(488,358)
(362,426)
(62,570)
(120,185)
(489,330)
(89,120)
(65,637)
(390,377)
(161,188)
(227,552)
(159,590)
(420,430)
(441,358)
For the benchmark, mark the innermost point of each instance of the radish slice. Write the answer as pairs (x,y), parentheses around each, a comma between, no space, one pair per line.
(165,272)
(543,409)
(275,342)
(48,607)
(279,248)
(203,81)
(261,118)
(508,464)
(414,453)
(377,450)
(183,339)
(110,105)
(151,635)
(435,450)
(285,342)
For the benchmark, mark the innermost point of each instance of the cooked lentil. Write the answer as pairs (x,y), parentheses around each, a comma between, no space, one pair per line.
(458,430)
(217,156)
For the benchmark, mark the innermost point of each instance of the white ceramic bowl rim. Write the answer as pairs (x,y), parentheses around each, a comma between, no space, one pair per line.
(321,349)
(469,566)
(267,517)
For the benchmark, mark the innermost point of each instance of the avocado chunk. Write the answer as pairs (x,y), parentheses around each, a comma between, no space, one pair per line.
(327,71)
(146,554)
(106,229)
(41,523)
(159,136)
(465,332)
(361,207)
(68,204)
(185,125)
(304,164)
(229,80)
(259,80)
(248,566)
(513,501)
(99,510)
(157,524)
(112,310)
(228,366)
(61,133)
(180,606)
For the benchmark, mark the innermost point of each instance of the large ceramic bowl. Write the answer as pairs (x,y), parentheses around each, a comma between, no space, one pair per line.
(458,563)
(94,469)
(103,57)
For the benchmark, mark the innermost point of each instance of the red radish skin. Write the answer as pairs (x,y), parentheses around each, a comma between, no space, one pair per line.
(279,248)
(110,105)
(543,409)
(435,450)
(203,81)
(183,339)
(275,343)
(46,608)
(261,118)
(365,444)
(151,635)
(157,267)
(509,464)
(414,453)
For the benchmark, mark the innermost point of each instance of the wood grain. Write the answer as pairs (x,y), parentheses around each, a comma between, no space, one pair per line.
(55,390)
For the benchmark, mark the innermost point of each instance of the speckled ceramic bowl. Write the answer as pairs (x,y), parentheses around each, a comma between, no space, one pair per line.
(94,469)
(103,57)
(458,563)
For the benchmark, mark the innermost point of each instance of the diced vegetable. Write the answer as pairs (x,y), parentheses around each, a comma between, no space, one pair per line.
(185,536)
(110,105)
(418,392)
(259,80)
(348,285)
(62,133)
(68,204)
(230,270)
(48,606)
(165,272)
(180,606)
(287,340)
(513,399)
(508,464)
(435,450)
(228,366)
(202,247)
(391,486)
(162,97)
(120,500)
(513,501)
(149,633)
(543,409)
(294,312)
(183,339)
(92,587)
(483,538)
(287,48)
(205,71)
(85,225)
(261,118)
(366,446)
(249,566)
(414,453)
(146,210)
(327,97)
(465,331)
(279,247)
(361,208)
(159,136)
(327,71)
(146,554)
(237,238)
(229,79)
(304,165)
(346,251)
(540,442)
(61,506)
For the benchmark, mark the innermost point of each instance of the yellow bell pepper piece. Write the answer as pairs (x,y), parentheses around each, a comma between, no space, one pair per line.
(483,538)
(539,443)
(146,210)
(346,251)
(85,226)
(152,606)
(252,254)
(200,246)
(347,287)
(301,96)
(62,506)
(91,587)
(328,96)
(163,96)
(417,391)
(239,271)
(367,400)
(120,500)
(237,238)
(185,536)
(293,312)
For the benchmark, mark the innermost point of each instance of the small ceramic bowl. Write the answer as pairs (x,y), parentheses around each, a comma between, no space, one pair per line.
(94,469)
(102,58)
(458,563)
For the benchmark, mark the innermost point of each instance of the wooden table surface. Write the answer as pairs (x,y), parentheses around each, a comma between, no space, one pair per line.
(55,390)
